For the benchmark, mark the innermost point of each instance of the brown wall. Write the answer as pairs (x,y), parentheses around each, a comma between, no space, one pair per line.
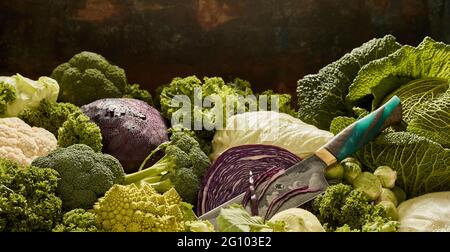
(272,43)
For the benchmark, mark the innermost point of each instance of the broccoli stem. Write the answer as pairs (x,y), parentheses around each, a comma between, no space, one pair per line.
(161,186)
(160,147)
(164,165)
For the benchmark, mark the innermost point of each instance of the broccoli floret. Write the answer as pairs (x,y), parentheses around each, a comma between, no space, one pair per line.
(182,167)
(348,208)
(47,115)
(199,136)
(132,209)
(77,220)
(85,174)
(27,198)
(87,77)
(7,96)
(134,91)
(78,129)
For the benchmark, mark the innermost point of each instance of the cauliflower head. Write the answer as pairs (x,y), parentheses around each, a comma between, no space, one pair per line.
(23,143)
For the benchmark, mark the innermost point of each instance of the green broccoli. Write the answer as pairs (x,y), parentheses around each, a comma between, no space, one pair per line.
(77,129)
(343,208)
(182,167)
(47,115)
(7,96)
(284,102)
(85,174)
(77,220)
(134,91)
(87,77)
(199,136)
(27,198)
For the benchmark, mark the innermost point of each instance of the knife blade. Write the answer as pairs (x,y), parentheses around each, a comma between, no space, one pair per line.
(302,182)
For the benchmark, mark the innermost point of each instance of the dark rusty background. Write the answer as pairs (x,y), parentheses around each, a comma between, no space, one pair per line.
(272,43)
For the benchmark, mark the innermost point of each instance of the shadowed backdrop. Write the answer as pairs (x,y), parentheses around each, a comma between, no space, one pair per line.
(271,43)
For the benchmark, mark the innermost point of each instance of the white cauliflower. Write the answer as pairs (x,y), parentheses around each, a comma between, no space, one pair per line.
(23,143)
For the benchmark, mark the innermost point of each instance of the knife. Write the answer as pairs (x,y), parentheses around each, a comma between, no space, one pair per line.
(304,181)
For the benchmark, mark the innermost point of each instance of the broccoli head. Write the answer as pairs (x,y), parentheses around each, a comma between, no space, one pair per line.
(132,209)
(182,167)
(48,115)
(7,96)
(78,129)
(77,220)
(87,77)
(28,200)
(85,174)
(343,208)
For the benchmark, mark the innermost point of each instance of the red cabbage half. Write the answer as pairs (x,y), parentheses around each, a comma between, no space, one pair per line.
(229,175)
(131,129)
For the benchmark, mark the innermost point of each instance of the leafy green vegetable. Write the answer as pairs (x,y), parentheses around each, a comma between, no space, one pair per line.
(85,174)
(18,93)
(321,96)
(432,120)
(77,220)
(421,164)
(420,77)
(235,218)
(219,93)
(48,115)
(381,77)
(27,198)
(78,129)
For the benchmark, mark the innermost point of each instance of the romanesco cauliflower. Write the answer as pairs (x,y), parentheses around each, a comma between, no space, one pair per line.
(127,208)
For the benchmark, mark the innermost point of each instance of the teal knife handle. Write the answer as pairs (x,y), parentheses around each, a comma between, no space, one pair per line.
(355,136)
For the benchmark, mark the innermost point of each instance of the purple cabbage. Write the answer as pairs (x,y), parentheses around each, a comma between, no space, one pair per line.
(131,129)
(228,177)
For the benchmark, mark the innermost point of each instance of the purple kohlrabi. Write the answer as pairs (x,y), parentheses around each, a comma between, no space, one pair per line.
(131,129)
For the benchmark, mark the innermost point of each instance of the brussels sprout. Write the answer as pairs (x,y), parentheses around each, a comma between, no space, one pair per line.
(352,168)
(386,175)
(400,195)
(369,184)
(387,195)
(351,160)
(391,210)
(335,172)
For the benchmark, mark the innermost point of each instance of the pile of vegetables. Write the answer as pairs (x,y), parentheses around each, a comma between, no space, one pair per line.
(84,150)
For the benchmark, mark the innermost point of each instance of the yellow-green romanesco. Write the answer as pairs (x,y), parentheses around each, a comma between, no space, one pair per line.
(127,208)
